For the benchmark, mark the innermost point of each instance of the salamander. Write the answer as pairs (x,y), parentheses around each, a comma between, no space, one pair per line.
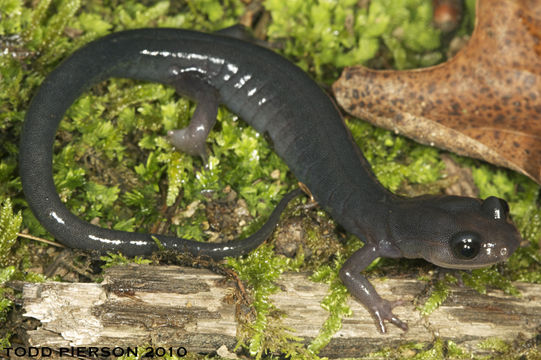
(306,130)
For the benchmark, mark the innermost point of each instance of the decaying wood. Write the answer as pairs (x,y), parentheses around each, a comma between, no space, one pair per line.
(177,306)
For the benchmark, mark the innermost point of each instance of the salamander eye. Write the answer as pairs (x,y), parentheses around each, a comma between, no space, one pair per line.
(495,207)
(465,245)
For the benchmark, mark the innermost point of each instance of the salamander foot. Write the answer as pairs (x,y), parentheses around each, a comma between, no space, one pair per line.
(384,311)
(191,139)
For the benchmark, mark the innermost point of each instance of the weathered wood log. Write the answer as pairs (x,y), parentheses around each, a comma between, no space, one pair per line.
(192,308)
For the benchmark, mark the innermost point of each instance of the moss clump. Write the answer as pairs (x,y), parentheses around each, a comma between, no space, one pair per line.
(396,160)
(334,302)
(13,260)
(119,259)
(325,36)
(265,333)
(9,226)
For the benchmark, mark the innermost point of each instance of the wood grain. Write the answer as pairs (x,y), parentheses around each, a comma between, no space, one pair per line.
(178,306)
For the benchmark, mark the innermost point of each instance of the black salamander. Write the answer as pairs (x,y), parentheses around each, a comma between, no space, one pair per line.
(280,101)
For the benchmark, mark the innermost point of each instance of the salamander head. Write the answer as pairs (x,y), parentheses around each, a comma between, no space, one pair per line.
(455,232)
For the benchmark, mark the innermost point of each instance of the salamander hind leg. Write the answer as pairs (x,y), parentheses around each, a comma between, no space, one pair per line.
(191,139)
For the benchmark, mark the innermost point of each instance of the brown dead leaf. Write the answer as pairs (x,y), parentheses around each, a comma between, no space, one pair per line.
(484,103)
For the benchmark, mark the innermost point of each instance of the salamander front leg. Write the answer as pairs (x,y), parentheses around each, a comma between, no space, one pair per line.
(364,292)
(191,139)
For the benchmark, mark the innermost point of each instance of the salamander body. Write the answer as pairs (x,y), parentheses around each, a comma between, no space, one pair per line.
(281,102)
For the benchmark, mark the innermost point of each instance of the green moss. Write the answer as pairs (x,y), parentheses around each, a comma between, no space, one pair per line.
(118,259)
(9,227)
(478,279)
(438,295)
(10,11)
(396,160)
(260,269)
(6,274)
(439,349)
(10,260)
(334,303)
(325,36)
(495,344)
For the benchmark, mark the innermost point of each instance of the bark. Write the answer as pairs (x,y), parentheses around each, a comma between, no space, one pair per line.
(195,308)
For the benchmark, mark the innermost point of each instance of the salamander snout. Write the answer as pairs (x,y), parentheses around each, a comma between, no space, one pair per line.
(457,232)
(486,235)
(467,245)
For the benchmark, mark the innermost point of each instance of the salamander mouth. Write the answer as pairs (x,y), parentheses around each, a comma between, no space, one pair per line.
(475,263)
(470,266)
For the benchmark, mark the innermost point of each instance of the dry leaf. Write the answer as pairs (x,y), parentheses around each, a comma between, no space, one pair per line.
(484,103)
